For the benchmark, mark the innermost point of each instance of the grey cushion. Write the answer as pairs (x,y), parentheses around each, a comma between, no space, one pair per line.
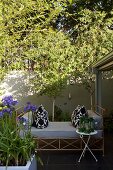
(98,120)
(56,130)
(59,130)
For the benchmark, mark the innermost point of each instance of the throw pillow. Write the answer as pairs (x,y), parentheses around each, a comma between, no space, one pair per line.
(40,118)
(77,113)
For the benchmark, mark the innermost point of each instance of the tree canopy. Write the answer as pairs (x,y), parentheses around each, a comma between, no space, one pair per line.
(56,39)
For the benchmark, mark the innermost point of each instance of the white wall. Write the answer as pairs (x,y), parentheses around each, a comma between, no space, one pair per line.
(17,84)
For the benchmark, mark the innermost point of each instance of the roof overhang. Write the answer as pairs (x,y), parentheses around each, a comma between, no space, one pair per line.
(105,63)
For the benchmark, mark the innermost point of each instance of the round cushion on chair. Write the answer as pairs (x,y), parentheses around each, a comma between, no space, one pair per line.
(40,118)
(77,113)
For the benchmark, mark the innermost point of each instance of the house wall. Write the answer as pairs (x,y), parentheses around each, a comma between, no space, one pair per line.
(17,84)
(107,95)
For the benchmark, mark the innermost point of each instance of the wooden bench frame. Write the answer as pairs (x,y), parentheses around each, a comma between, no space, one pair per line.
(69,144)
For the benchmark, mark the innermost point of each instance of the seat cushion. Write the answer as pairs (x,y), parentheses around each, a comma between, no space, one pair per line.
(61,130)
(56,130)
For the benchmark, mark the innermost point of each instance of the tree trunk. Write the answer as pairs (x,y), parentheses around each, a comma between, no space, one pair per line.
(53,110)
(91,101)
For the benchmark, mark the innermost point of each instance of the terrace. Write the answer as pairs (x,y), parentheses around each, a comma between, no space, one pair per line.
(46,50)
(69,159)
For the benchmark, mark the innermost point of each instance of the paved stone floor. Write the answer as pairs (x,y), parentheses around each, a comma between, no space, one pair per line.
(69,160)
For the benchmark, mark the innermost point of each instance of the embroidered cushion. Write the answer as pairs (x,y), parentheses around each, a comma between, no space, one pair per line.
(40,118)
(77,113)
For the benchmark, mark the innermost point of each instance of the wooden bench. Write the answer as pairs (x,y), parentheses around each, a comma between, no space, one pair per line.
(63,136)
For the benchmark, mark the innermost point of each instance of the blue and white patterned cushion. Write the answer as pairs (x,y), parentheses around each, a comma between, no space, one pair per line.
(40,118)
(77,113)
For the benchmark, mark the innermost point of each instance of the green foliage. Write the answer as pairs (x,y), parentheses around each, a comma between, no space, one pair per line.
(20,19)
(55,62)
(14,149)
(60,115)
(86,124)
(87,22)
(89,26)
(30,42)
(55,39)
(95,37)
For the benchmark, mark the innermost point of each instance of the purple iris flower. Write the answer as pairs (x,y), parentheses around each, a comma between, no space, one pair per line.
(7,110)
(9,104)
(30,107)
(1,113)
(9,101)
(22,119)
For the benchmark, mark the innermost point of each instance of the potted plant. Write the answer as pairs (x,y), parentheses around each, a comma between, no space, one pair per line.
(86,124)
(16,152)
